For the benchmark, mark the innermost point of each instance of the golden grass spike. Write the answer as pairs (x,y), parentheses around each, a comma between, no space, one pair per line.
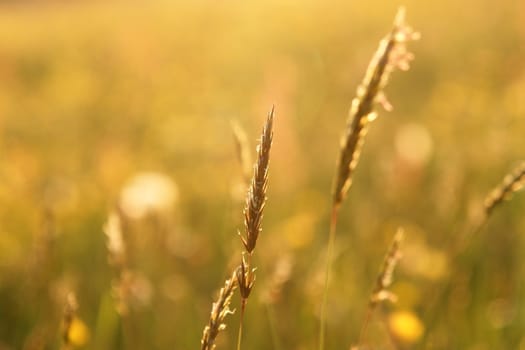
(512,183)
(245,278)
(256,197)
(244,275)
(391,54)
(220,309)
(253,213)
(380,292)
(384,279)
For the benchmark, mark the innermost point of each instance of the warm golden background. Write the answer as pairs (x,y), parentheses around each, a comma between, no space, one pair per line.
(94,94)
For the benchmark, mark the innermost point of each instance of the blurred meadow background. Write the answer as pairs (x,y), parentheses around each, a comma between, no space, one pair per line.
(131,103)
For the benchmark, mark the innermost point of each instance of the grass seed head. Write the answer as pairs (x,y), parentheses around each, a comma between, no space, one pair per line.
(220,309)
(391,54)
(512,183)
(245,278)
(256,197)
(384,279)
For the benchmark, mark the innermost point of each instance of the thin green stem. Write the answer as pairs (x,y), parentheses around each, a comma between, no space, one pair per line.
(458,249)
(239,334)
(364,327)
(329,262)
(273,331)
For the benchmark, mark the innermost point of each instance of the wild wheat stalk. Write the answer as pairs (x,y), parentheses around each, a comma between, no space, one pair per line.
(244,275)
(512,183)
(245,279)
(391,53)
(380,292)
(256,196)
(220,309)
(253,213)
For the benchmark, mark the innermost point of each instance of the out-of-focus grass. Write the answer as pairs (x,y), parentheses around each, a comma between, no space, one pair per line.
(93,93)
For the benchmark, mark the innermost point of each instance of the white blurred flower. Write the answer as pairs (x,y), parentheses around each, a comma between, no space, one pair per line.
(148,193)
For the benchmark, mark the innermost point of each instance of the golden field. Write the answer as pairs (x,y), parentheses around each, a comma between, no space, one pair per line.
(107,104)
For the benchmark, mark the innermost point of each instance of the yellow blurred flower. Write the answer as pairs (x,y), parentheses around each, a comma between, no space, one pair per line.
(405,326)
(78,333)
